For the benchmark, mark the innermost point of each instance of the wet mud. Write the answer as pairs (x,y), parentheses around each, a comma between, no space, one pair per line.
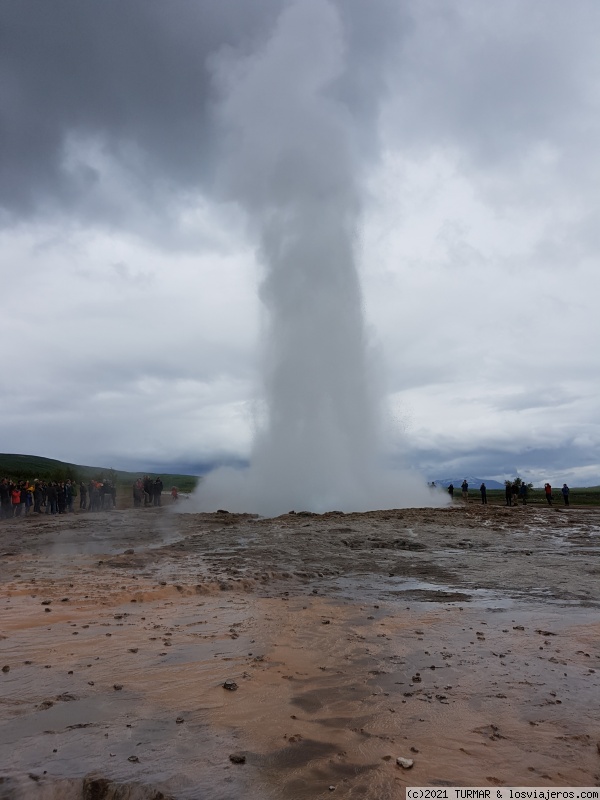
(147,654)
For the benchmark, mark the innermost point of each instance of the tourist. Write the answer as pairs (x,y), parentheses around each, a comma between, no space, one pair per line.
(38,496)
(565,493)
(5,500)
(61,498)
(51,501)
(28,497)
(138,493)
(157,491)
(483,491)
(465,490)
(15,498)
(68,496)
(451,491)
(508,493)
(548,491)
(82,495)
(148,490)
(523,492)
(94,496)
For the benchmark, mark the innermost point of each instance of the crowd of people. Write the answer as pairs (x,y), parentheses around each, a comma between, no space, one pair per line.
(148,492)
(23,497)
(20,498)
(513,492)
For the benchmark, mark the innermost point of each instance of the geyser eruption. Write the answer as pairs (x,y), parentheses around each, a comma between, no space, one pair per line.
(293,166)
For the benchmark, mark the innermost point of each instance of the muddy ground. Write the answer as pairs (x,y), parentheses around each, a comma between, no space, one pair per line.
(465,639)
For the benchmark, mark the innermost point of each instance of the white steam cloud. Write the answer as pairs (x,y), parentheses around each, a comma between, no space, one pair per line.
(293,166)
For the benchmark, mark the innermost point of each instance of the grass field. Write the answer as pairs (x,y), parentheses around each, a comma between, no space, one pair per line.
(20,467)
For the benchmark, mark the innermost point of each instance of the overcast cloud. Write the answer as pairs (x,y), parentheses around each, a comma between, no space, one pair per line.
(131,311)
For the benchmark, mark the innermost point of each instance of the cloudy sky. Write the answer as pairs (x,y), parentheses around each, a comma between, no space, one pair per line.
(132,314)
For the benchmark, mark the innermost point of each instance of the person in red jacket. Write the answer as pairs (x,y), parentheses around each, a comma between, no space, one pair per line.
(548,490)
(15,497)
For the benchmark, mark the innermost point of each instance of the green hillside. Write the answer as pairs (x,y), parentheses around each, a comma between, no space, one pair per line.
(21,467)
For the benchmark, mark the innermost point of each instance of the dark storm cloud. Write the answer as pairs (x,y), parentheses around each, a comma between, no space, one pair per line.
(134,79)
(130,73)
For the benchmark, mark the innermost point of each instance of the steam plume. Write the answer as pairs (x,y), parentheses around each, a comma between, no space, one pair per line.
(293,165)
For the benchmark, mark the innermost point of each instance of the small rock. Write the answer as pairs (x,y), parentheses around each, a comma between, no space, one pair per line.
(117,687)
(6,668)
(231,686)
(179,720)
(416,678)
(133,759)
(133,649)
(405,763)
(325,622)
(46,602)
(237,758)
(129,552)
(332,788)
(47,610)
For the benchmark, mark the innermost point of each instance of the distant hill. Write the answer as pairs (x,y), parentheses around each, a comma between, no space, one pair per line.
(31,467)
(474,483)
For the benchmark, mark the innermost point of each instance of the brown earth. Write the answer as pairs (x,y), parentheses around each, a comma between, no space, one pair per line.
(465,639)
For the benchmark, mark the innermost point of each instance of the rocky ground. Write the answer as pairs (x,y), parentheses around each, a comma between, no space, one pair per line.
(148,654)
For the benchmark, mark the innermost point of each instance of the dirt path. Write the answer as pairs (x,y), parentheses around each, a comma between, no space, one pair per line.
(464,639)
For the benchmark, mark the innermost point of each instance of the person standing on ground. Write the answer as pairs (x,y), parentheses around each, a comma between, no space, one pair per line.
(465,490)
(548,491)
(523,491)
(52,498)
(37,497)
(565,493)
(68,496)
(15,498)
(82,496)
(148,491)
(508,493)
(451,491)
(158,487)
(483,491)
(5,499)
